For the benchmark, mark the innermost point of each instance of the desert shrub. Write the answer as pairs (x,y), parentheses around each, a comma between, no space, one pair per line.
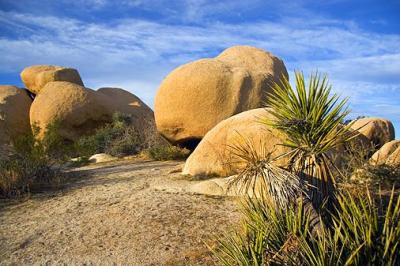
(355,156)
(363,232)
(33,162)
(379,175)
(117,138)
(167,152)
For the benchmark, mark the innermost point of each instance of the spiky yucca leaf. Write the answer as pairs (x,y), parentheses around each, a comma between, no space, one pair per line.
(259,176)
(311,118)
(362,233)
(270,235)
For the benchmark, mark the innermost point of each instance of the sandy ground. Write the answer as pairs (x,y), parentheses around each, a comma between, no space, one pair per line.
(119,213)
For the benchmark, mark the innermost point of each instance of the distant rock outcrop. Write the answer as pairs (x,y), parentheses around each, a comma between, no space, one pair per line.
(378,130)
(215,154)
(122,101)
(388,154)
(79,110)
(195,97)
(36,77)
(14,113)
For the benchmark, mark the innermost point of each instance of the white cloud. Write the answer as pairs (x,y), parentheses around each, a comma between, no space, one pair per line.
(137,54)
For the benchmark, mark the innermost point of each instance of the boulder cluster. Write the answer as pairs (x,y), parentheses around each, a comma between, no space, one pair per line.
(57,94)
(208,106)
(195,97)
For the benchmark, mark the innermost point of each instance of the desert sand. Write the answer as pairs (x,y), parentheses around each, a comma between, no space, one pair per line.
(128,212)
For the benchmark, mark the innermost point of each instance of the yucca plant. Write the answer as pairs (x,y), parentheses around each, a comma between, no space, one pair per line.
(311,118)
(270,235)
(259,177)
(364,231)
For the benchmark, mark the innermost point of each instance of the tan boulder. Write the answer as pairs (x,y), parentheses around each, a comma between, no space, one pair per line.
(125,102)
(394,158)
(381,156)
(77,110)
(102,158)
(80,111)
(215,154)
(14,113)
(36,77)
(143,117)
(195,97)
(378,130)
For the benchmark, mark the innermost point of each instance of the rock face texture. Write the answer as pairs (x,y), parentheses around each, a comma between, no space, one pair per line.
(215,154)
(36,77)
(378,130)
(125,102)
(79,110)
(394,158)
(122,101)
(14,113)
(388,154)
(196,96)
(102,158)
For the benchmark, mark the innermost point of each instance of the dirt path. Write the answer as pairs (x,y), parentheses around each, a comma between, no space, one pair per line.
(115,214)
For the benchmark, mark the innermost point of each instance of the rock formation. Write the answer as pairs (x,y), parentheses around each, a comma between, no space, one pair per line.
(36,77)
(216,153)
(195,97)
(14,113)
(388,154)
(378,130)
(79,110)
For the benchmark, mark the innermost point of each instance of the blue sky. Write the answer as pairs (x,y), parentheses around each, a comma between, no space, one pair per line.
(134,44)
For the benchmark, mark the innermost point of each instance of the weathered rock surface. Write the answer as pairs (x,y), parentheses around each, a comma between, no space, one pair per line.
(122,101)
(215,154)
(37,76)
(378,130)
(102,158)
(14,113)
(394,158)
(79,110)
(196,96)
(388,154)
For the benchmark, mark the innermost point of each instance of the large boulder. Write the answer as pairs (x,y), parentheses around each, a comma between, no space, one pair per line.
(216,154)
(14,113)
(36,77)
(125,102)
(378,130)
(79,110)
(195,97)
(387,154)
(394,158)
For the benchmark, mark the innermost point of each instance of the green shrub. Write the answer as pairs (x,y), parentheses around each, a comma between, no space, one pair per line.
(363,232)
(379,175)
(118,138)
(167,152)
(34,162)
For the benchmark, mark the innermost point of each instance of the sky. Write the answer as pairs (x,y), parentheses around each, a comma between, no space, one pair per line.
(134,44)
